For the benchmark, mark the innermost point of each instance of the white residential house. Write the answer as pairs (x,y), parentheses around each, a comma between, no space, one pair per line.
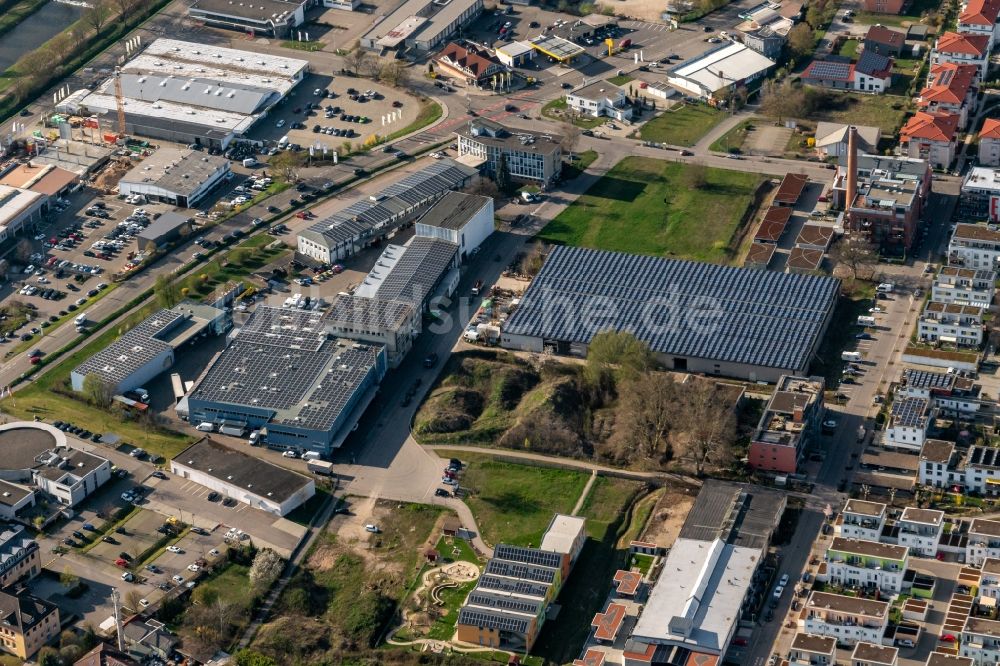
(983,541)
(989,142)
(950,394)
(939,465)
(920,530)
(963,49)
(974,246)
(960,325)
(982,470)
(979,17)
(871,654)
(909,421)
(980,641)
(989,579)
(964,286)
(810,650)
(867,564)
(601,98)
(847,619)
(861,519)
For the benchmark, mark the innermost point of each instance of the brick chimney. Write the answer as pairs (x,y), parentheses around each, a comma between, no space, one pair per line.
(797,414)
(852,166)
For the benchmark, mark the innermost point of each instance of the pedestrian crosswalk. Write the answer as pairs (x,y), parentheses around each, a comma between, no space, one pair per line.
(645,25)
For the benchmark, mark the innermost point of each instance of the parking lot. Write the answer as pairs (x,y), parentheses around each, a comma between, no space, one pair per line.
(133,538)
(321,104)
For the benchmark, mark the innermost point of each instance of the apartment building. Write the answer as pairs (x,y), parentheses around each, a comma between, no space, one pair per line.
(945,659)
(980,196)
(870,654)
(19,556)
(960,325)
(529,156)
(867,564)
(974,246)
(847,619)
(920,530)
(989,142)
(979,17)
(980,641)
(861,519)
(931,136)
(955,285)
(939,465)
(983,541)
(951,88)
(989,578)
(810,650)
(26,624)
(982,470)
(909,421)
(789,422)
(963,49)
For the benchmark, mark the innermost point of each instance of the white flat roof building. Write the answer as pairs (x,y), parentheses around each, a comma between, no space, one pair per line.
(696,602)
(718,69)
(564,535)
(18,207)
(180,177)
(193,93)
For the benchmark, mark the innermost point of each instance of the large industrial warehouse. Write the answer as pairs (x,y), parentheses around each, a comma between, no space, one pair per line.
(706,318)
(287,376)
(193,93)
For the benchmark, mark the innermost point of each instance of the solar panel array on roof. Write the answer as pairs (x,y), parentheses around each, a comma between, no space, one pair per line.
(537,573)
(417,271)
(527,555)
(364,216)
(829,69)
(909,411)
(681,308)
(927,379)
(873,63)
(503,602)
(131,351)
(283,360)
(490,619)
(512,585)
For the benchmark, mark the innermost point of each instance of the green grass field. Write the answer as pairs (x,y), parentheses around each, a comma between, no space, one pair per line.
(514,503)
(732,140)
(913,13)
(645,206)
(849,48)
(683,125)
(883,111)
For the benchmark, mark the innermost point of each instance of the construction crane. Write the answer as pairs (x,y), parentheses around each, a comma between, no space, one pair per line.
(120,103)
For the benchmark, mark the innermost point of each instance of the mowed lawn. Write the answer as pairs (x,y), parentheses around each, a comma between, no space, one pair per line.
(682,126)
(646,206)
(514,503)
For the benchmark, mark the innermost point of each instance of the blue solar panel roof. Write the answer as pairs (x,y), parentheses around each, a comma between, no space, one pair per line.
(681,308)
(829,69)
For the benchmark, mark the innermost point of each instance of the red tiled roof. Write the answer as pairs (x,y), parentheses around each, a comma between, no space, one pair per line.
(991,129)
(469,60)
(948,83)
(628,582)
(593,657)
(609,622)
(791,188)
(702,659)
(930,127)
(980,12)
(883,35)
(957,42)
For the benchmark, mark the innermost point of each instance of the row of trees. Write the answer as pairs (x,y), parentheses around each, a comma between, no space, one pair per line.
(389,71)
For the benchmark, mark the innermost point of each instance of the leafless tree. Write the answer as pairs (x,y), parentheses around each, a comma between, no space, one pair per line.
(132,598)
(646,414)
(569,137)
(707,426)
(357,59)
(801,40)
(125,7)
(23,250)
(781,100)
(286,165)
(857,256)
(98,391)
(97,15)
(696,176)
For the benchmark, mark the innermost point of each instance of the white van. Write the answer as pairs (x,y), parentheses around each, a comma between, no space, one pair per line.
(885,288)
(854,357)
(254,439)
(205,426)
(864,320)
(310,455)
(81,319)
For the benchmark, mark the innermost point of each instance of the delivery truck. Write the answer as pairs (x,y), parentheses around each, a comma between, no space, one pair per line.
(320,467)
(852,356)
(233,430)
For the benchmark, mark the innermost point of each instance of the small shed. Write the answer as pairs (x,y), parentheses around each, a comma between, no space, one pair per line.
(451,526)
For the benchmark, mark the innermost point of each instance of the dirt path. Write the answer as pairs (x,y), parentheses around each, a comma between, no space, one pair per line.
(585,493)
